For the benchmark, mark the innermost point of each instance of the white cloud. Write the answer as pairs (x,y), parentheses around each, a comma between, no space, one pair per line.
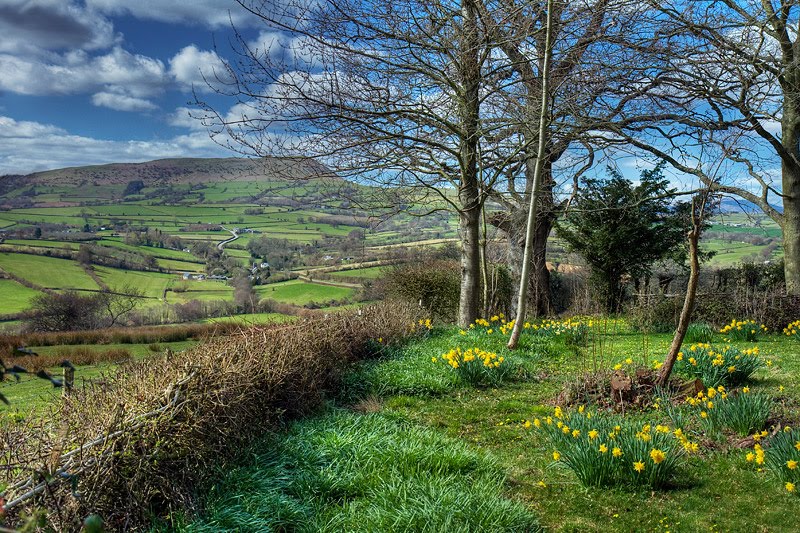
(196,68)
(183,117)
(211,13)
(30,146)
(77,72)
(36,26)
(121,102)
(23,129)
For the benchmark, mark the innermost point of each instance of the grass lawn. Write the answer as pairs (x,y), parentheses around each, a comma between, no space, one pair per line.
(15,297)
(325,469)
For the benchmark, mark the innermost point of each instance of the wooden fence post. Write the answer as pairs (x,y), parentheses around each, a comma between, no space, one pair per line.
(69,380)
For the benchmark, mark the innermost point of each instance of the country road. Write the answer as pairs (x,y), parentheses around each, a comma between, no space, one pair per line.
(234,236)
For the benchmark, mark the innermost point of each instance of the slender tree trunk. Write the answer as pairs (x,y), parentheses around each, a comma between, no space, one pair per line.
(469,193)
(484,264)
(539,285)
(688,302)
(469,297)
(791,202)
(513,341)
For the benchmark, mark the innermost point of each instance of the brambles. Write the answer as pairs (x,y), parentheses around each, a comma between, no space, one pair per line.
(743,330)
(603,450)
(476,366)
(730,365)
(740,411)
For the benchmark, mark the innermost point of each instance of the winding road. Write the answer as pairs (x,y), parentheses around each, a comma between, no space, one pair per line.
(234,236)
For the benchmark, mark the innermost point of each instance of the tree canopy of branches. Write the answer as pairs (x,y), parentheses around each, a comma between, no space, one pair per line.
(724,84)
(621,229)
(72,311)
(386,93)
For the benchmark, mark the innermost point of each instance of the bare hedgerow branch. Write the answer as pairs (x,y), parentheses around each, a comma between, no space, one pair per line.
(139,442)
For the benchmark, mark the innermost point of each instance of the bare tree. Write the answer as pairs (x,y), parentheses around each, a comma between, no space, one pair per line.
(591,57)
(544,115)
(698,214)
(386,94)
(725,82)
(119,302)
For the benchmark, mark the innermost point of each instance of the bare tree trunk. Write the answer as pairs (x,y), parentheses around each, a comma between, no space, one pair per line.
(469,192)
(791,202)
(688,302)
(484,265)
(513,341)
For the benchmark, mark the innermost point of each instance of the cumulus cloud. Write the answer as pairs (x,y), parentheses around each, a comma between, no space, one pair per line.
(121,102)
(30,146)
(184,117)
(24,129)
(35,26)
(211,13)
(196,68)
(78,72)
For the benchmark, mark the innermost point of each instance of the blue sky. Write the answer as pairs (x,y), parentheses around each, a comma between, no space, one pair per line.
(98,81)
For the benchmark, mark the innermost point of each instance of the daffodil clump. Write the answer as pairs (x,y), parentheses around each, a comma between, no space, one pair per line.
(743,330)
(572,330)
(423,325)
(741,411)
(729,365)
(603,450)
(494,324)
(476,366)
(792,329)
(781,457)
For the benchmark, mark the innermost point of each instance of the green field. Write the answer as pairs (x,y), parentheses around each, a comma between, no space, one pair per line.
(251,319)
(48,272)
(152,284)
(366,273)
(32,393)
(15,298)
(301,292)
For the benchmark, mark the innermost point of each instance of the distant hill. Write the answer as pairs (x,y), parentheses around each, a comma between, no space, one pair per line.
(164,172)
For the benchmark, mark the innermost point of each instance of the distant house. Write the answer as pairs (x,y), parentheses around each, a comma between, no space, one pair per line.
(186,276)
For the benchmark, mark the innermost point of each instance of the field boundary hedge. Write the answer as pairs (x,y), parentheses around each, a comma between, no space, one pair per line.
(137,444)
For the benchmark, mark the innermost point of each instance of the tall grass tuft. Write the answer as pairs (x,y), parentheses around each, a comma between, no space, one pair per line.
(699,332)
(348,472)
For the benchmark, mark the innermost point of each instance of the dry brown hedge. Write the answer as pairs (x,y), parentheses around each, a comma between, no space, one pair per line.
(119,335)
(172,419)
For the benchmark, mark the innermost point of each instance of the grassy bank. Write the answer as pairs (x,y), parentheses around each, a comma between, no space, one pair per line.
(716,489)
